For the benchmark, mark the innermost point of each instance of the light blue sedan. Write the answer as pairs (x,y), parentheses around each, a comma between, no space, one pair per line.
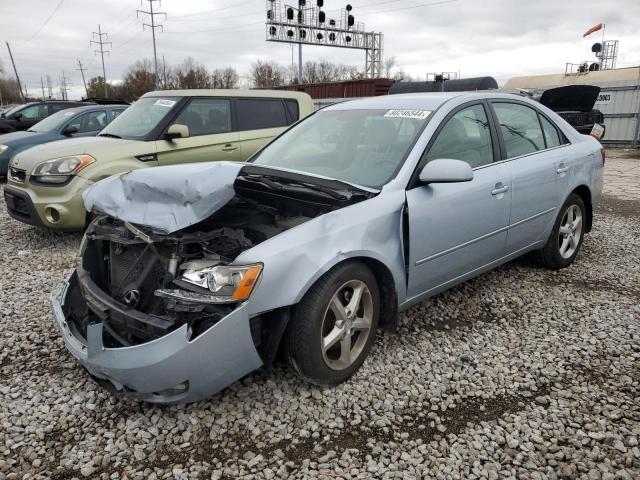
(195,275)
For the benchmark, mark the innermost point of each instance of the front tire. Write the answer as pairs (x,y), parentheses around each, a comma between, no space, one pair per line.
(334,325)
(566,237)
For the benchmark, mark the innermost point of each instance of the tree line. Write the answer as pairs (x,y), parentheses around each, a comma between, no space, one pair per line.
(139,78)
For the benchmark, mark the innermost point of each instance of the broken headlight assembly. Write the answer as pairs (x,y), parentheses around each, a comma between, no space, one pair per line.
(214,283)
(59,170)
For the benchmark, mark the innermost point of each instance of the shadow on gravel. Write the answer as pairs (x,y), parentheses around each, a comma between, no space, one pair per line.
(619,207)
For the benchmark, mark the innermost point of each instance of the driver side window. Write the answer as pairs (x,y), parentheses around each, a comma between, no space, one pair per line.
(466,136)
(34,112)
(90,122)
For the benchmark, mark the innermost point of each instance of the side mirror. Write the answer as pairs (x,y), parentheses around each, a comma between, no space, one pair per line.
(17,116)
(446,171)
(69,130)
(176,131)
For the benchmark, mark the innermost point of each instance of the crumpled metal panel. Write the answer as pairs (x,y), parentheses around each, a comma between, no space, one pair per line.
(168,198)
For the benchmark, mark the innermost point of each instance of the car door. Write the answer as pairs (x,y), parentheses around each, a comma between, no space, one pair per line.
(456,229)
(211,134)
(259,120)
(539,169)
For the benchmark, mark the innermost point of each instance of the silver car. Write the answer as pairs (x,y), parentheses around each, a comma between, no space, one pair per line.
(193,276)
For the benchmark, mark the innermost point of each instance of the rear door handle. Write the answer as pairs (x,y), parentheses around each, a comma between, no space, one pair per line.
(499,189)
(229,148)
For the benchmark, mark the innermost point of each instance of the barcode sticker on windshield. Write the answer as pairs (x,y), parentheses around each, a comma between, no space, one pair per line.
(417,114)
(165,103)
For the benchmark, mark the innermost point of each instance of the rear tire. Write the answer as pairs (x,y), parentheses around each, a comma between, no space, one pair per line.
(566,237)
(334,325)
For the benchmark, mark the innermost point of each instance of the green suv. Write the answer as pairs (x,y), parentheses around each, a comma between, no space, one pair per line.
(45,183)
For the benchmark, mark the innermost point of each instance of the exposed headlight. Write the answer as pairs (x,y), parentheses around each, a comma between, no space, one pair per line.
(59,170)
(3,148)
(227,283)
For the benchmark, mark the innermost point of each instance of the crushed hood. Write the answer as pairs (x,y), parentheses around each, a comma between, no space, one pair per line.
(580,98)
(166,199)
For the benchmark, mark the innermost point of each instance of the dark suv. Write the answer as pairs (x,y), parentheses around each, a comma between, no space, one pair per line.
(27,115)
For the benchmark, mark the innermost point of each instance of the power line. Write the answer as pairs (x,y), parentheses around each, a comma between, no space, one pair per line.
(153,26)
(47,20)
(99,35)
(215,10)
(430,4)
(219,30)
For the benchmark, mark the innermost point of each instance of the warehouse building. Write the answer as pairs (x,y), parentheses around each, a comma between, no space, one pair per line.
(619,98)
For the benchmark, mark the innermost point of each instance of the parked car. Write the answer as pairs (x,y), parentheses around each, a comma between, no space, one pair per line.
(69,123)
(194,275)
(45,183)
(26,116)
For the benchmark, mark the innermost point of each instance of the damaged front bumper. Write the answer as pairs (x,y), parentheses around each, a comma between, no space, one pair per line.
(169,369)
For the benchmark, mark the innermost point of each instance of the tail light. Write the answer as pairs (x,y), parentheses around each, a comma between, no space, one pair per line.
(603,155)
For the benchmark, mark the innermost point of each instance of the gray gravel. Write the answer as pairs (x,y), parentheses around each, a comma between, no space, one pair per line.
(521,373)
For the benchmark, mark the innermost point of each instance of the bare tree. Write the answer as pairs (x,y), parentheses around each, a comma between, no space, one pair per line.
(138,80)
(191,74)
(389,64)
(266,74)
(224,78)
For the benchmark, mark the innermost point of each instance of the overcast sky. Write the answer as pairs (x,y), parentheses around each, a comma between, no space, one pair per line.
(501,38)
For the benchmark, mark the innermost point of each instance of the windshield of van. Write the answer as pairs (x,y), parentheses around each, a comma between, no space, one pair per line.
(137,121)
(362,147)
(53,122)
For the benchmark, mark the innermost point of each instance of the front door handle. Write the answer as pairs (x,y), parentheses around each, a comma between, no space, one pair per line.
(229,148)
(500,189)
(562,168)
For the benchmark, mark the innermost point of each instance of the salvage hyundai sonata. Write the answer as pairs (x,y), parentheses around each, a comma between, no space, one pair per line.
(193,276)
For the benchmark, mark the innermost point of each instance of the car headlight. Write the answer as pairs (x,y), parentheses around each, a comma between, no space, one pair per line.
(3,148)
(227,283)
(59,170)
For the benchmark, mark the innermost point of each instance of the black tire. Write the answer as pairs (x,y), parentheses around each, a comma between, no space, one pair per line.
(304,335)
(550,255)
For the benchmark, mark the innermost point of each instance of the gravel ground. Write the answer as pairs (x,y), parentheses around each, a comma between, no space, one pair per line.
(521,373)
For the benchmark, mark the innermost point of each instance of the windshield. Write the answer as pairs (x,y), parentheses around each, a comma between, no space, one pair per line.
(52,122)
(363,147)
(137,121)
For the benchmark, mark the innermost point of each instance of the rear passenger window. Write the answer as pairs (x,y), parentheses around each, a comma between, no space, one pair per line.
(466,136)
(206,116)
(115,113)
(520,129)
(255,114)
(550,133)
(294,110)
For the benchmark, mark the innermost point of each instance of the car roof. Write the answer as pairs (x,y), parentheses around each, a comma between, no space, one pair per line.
(226,93)
(417,101)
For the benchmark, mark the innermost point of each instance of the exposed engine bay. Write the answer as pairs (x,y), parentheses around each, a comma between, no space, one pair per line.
(142,284)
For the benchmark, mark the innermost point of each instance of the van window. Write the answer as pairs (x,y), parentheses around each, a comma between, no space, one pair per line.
(294,109)
(206,116)
(258,113)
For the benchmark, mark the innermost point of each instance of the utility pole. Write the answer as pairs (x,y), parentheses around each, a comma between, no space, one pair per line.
(153,26)
(82,70)
(164,74)
(42,85)
(100,35)
(49,87)
(15,70)
(63,86)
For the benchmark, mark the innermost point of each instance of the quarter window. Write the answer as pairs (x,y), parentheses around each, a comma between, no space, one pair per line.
(520,128)
(550,133)
(466,136)
(257,113)
(294,109)
(206,116)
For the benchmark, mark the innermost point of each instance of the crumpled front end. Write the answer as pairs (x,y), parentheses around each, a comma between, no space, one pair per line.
(127,316)
(173,368)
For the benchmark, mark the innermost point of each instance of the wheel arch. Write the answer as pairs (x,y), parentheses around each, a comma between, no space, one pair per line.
(585,194)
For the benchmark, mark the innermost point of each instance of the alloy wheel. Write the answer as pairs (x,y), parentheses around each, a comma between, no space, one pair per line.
(346,325)
(570,231)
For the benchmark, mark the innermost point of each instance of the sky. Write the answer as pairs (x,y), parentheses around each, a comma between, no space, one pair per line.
(501,38)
